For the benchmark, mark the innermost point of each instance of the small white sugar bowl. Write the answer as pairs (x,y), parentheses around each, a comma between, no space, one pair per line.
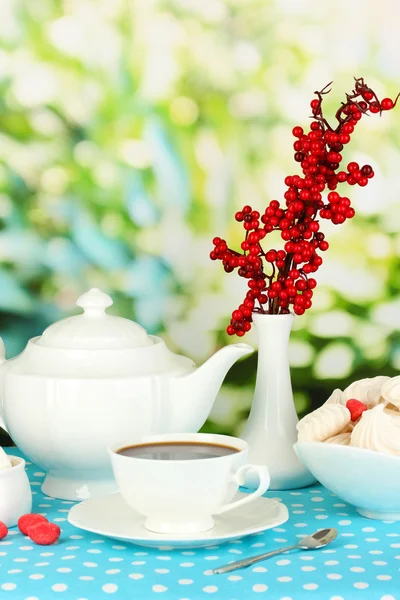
(15,492)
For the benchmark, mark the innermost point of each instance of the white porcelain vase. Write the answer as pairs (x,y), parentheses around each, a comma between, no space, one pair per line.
(271,427)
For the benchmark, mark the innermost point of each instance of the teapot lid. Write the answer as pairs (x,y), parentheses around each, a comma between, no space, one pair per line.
(94,329)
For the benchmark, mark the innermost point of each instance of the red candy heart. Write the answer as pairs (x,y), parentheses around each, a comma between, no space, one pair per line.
(356,408)
(26,521)
(44,533)
(3,530)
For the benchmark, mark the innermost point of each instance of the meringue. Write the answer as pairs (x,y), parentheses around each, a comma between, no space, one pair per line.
(368,390)
(391,391)
(323,423)
(379,430)
(341,438)
(5,462)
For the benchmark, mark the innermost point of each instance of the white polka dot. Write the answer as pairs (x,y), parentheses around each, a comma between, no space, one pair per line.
(379,562)
(283,562)
(344,522)
(320,517)
(375,552)
(235,577)
(20,560)
(350,546)
(47,554)
(136,575)
(258,545)
(90,564)
(86,578)
(159,588)
(235,551)
(259,587)
(336,598)
(76,537)
(331,562)
(117,559)
(91,551)
(36,576)
(384,577)
(284,579)
(68,557)
(119,547)
(280,540)
(186,564)
(317,499)
(286,598)
(361,585)
(300,524)
(210,589)
(211,557)
(395,545)
(73,548)
(162,571)
(388,597)
(334,576)
(357,569)
(368,529)
(12,571)
(42,564)
(259,570)
(140,553)
(64,570)
(8,587)
(138,562)
(97,542)
(109,588)
(165,557)
(353,556)
(306,557)
(59,587)
(26,548)
(308,569)
(310,586)
(185,581)
(371,539)
(113,571)
(32,598)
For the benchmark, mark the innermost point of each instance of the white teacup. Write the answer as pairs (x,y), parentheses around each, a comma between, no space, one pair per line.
(180,495)
(15,492)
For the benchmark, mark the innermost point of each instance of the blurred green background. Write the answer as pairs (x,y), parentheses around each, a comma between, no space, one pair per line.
(131,132)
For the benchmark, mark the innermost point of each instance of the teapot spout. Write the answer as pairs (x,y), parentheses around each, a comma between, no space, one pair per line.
(193,395)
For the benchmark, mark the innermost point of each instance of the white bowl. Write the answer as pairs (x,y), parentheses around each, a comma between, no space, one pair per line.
(369,480)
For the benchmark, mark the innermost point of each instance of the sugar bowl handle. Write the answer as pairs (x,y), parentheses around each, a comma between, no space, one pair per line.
(239,478)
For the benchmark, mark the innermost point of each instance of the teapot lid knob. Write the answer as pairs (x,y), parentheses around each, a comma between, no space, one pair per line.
(94,302)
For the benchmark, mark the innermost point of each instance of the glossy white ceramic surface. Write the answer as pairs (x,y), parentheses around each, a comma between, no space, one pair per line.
(364,478)
(94,379)
(271,428)
(182,496)
(112,517)
(15,492)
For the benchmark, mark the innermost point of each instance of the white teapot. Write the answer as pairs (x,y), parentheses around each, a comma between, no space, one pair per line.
(92,380)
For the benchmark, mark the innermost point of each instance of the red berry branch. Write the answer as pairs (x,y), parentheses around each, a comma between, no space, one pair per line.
(280,279)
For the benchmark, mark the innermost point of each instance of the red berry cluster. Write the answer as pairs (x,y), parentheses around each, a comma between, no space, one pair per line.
(287,282)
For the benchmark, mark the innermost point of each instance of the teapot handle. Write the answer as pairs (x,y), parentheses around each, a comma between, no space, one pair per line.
(2,360)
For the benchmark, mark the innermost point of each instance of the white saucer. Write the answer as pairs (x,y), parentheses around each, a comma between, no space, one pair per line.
(110,516)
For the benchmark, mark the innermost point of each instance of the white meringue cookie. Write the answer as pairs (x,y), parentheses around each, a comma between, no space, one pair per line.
(391,391)
(341,438)
(379,430)
(366,390)
(5,462)
(323,423)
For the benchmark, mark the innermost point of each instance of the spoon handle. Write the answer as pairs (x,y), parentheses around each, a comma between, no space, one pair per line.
(247,562)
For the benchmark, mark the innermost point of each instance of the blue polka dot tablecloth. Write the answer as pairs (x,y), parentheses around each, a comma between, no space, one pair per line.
(361,564)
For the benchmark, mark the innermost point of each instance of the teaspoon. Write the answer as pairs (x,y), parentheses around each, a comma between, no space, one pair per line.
(319,539)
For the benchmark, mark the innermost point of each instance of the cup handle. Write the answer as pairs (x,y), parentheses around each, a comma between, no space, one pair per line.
(239,478)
